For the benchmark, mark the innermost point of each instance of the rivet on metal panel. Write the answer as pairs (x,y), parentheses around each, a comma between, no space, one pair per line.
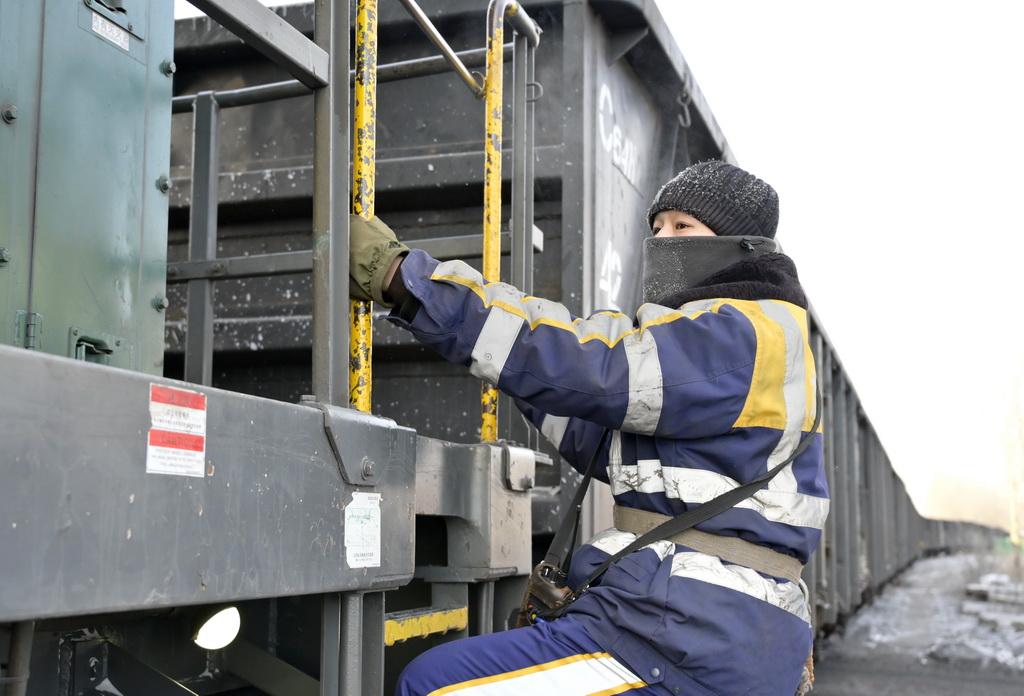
(168,67)
(164,184)
(161,303)
(5,255)
(9,112)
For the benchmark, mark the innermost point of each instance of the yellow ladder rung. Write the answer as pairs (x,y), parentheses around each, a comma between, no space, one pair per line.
(420,623)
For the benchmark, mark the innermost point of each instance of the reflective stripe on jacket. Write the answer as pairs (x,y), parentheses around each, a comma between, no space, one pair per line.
(701,398)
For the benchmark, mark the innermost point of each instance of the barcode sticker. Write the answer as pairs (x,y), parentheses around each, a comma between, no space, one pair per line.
(362,531)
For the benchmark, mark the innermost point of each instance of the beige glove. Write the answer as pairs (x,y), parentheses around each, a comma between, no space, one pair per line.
(373,247)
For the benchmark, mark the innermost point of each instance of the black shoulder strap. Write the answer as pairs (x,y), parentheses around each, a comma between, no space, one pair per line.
(707,510)
(562,544)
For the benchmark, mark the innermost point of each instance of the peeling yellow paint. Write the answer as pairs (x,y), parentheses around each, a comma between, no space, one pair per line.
(360,356)
(420,626)
(492,194)
(360,378)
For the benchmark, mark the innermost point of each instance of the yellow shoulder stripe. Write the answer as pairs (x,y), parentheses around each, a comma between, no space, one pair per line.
(609,340)
(766,404)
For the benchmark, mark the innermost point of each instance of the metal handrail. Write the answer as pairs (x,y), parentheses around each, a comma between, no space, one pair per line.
(364,175)
(492,191)
(522,23)
(289,89)
(331,207)
(202,236)
(497,11)
(435,36)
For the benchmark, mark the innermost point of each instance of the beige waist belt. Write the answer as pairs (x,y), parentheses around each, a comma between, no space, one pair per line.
(731,549)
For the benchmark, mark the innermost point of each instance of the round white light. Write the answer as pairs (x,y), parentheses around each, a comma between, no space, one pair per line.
(219,630)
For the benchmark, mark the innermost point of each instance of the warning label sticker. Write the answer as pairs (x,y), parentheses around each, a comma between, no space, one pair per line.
(362,531)
(177,436)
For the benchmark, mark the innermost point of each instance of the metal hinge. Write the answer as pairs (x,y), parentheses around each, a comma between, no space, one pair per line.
(33,330)
(29,330)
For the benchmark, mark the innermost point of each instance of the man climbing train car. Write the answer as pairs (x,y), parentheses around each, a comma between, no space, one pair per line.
(710,386)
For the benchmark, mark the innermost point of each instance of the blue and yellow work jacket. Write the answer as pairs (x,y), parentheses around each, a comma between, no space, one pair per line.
(701,399)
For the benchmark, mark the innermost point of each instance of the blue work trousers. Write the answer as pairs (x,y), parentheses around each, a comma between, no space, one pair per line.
(558,657)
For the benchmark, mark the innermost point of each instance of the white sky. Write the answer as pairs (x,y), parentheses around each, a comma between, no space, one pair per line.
(893,134)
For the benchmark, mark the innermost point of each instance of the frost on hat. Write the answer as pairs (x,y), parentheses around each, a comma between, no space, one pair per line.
(725,198)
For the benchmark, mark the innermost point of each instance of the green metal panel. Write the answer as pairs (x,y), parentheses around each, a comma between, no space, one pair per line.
(98,238)
(20,31)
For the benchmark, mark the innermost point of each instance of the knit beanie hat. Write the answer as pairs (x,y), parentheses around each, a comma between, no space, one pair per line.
(725,198)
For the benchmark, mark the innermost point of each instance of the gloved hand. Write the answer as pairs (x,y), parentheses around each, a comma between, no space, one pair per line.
(373,247)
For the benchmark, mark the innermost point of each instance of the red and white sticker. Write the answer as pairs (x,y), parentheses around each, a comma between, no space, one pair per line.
(177,436)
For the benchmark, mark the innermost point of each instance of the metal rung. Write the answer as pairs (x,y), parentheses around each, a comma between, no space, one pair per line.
(290,89)
(285,262)
(420,623)
(271,35)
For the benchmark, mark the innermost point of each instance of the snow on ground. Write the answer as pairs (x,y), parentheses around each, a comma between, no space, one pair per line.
(926,614)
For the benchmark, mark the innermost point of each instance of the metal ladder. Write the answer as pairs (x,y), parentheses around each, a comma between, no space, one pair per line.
(355,627)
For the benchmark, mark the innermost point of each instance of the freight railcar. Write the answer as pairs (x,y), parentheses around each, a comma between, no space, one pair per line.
(177,436)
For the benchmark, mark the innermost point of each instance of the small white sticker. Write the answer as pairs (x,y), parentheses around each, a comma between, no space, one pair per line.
(610,281)
(362,531)
(109,31)
(177,436)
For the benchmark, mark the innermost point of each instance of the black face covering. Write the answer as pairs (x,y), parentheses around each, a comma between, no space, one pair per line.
(673,265)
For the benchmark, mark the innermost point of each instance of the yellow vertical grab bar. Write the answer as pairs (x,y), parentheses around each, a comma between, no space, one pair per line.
(360,375)
(492,186)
